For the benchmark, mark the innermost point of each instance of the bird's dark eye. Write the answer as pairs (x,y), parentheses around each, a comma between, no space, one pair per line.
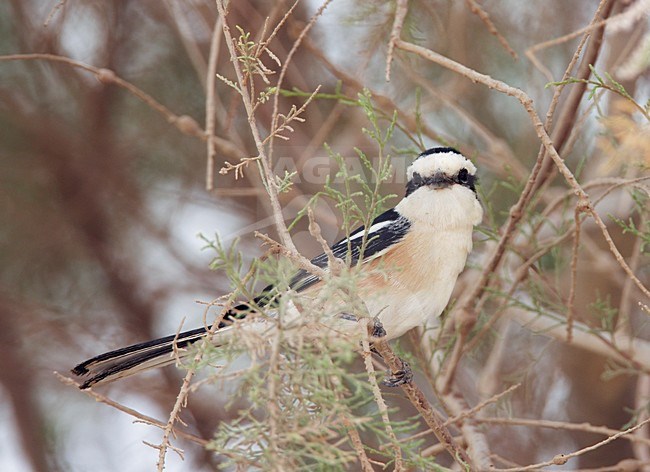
(463,176)
(416,179)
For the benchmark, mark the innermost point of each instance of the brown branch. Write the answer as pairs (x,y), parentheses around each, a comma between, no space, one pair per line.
(283,71)
(303,262)
(401,9)
(471,412)
(561,459)
(130,411)
(379,400)
(357,444)
(636,351)
(210,111)
(614,250)
(181,398)
(53,12)
(623,324)
(419,401)
(485,18)
(271,184)
(184,123)
(574,274)
(562,425)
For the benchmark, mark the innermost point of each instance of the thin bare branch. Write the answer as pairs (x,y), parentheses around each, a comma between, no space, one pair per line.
(53,12)
(561,459)
(296,44)
(574,275)
(270,182)
(562,425)
(130,411)
(181,398)
(401,9)
(616,346)
(485,18)
(472,412)
(379,399)
(210,117)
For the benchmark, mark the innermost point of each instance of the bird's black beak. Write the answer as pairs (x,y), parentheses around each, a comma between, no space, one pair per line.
(439,180)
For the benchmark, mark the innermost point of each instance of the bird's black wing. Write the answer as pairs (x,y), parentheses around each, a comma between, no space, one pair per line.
(385,230)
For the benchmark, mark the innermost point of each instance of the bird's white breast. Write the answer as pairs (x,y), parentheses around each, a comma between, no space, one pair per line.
(421,271)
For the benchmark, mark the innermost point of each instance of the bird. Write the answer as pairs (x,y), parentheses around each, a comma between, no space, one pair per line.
(420,246)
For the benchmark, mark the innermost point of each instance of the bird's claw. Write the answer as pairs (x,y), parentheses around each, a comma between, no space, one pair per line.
(378,330)
(401,377)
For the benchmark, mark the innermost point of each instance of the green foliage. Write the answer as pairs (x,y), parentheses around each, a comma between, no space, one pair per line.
(296,406)
(337,95)
(284,183)
(226,259)
(249,56)
(605,313)
(377,114)
(629,226)
(349,199)
(607,83)
(359,197)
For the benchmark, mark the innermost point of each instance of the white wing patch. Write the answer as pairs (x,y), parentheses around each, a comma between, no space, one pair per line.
(373,229)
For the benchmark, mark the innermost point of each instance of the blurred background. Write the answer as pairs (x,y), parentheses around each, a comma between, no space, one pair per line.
(102,199)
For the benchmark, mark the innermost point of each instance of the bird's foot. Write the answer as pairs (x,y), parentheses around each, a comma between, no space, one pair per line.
(378,330)
(394,379)
(401,377)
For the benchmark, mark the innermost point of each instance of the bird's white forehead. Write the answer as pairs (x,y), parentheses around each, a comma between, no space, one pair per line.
(446,162)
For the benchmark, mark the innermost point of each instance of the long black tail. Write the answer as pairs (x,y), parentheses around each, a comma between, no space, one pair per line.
(130,360)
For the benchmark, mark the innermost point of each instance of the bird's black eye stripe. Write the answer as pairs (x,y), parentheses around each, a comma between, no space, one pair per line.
(416,182)
(440,180)
(466,179)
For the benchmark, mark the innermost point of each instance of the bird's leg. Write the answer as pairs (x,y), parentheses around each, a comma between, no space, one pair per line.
(400,377)
(378,330)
